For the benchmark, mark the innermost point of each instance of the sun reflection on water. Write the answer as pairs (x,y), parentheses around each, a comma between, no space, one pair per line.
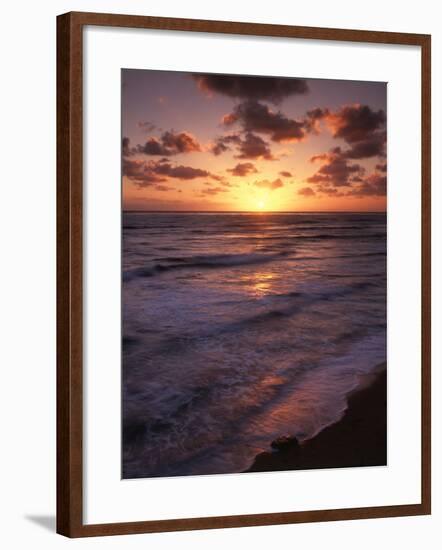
(261,283)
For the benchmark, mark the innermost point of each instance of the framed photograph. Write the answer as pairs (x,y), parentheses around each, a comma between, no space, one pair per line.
(243,283)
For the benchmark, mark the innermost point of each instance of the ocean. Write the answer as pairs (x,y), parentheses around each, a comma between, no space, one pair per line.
(239,328)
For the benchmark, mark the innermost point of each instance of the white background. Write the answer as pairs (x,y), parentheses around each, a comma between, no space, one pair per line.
(107,497)
(27,298)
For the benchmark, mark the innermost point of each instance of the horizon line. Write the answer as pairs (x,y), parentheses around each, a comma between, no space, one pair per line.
(131,211)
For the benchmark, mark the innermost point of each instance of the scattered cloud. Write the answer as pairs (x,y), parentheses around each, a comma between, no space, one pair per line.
(243,169)
(145,174)
(258,117)
(164,188)
(336,174)
(170,143)
(216,177)
(306,192)
(272,89)
(254,147)
(212,191)
(178,171)
(361,127)
(251,147)
(313,119)
(139,173)
(372,146)
(355,123)
(330,191)
(285,174)
(147,126)
(267,184)
(374,185)
(125,147)
(223,144)
(335,170)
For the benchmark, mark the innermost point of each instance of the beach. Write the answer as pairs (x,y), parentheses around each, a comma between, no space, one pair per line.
(359,438)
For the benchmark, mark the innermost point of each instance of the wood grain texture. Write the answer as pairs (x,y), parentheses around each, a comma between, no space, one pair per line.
(70,273)
(69,276)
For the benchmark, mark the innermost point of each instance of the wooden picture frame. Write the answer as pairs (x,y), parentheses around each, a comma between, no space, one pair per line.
(70,272)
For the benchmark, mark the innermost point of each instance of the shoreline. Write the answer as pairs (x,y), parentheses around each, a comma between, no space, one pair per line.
(359,438)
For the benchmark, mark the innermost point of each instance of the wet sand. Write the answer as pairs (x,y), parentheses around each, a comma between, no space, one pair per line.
(358,439)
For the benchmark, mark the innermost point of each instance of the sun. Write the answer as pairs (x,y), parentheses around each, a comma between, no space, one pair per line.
(261,205)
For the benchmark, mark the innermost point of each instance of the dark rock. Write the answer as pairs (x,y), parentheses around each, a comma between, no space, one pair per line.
(284,442)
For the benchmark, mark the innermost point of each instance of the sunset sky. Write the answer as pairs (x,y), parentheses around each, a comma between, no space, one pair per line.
(208,142)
